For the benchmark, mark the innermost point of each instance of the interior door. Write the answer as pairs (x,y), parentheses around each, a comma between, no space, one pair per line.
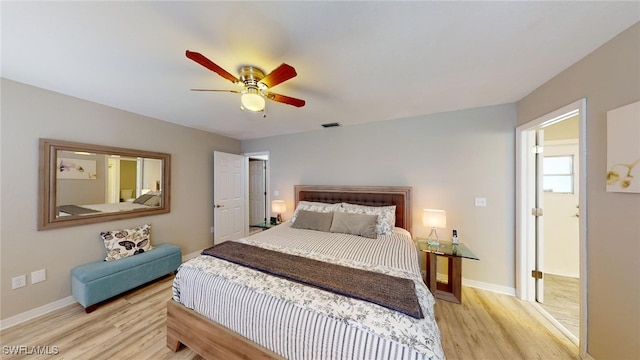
(228,197)
(538,213)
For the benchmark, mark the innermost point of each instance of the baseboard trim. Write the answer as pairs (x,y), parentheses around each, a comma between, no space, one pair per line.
(481,285)
(34,313)
(501,289)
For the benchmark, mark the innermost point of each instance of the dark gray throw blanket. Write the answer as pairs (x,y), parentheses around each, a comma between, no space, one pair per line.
(75,210)
(392,292)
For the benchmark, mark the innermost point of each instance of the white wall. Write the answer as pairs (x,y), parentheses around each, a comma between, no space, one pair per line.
(447,158)
(29,113)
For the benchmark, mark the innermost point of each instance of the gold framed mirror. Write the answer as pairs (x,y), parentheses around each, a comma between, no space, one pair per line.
(84,184)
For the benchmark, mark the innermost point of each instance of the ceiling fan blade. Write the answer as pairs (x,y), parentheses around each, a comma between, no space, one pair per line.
(279,75)
(285,99)
(231,91)
(200,59)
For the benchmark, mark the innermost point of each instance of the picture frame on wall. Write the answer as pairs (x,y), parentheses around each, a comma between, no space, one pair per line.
(76,169)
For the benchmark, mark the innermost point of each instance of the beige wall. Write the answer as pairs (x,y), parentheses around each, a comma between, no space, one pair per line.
(447,158)
(29,113)
(608,78)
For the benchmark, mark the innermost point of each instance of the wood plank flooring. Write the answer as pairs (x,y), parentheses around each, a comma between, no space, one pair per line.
(485,326)
(562,300)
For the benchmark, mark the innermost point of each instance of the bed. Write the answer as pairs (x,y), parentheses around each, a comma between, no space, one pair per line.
(143,202)
(223,310)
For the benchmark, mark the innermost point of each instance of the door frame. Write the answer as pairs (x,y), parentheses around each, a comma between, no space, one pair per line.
(525,248)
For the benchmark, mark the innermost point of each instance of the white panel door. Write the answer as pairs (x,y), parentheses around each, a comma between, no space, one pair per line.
(229,197)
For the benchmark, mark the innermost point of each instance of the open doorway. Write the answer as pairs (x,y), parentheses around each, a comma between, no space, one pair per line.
(550,212)
(258,166)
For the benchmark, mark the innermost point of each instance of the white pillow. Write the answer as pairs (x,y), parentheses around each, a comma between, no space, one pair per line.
(386,215)
(314,206)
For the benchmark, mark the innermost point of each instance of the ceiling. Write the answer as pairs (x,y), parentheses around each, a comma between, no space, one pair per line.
(357,62)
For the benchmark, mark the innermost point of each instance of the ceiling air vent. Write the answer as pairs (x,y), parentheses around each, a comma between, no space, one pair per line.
(330,125)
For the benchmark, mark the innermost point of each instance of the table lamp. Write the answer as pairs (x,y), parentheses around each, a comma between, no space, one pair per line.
(278,207)
(434,219)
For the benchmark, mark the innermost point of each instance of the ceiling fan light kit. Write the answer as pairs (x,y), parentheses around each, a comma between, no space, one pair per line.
(254,81)
(252,100)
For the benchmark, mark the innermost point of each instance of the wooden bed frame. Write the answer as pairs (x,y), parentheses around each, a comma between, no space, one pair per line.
(214,341)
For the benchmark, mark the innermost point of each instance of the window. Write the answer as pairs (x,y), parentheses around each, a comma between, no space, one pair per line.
(558,174)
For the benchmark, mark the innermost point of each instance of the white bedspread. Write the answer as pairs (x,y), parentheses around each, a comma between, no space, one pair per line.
(301,322)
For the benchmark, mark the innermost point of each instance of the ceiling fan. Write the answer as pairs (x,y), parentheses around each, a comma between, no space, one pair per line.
(255,83)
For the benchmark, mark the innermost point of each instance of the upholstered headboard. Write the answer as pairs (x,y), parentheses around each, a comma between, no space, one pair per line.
(400,196)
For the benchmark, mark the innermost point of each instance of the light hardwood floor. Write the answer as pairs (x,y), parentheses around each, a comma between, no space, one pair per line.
(485,326)
(562,300)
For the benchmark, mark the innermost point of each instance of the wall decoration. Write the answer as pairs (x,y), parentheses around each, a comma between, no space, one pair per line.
(623,149)
(76,169)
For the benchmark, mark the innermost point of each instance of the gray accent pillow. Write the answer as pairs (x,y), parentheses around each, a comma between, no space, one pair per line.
(153,201)
(142,198)
(313,220)
(355,224)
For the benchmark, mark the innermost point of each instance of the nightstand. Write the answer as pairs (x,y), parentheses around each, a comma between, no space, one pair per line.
(265,225)
(451,291)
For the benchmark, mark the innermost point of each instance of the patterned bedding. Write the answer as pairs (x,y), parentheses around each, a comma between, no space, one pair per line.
(300,322)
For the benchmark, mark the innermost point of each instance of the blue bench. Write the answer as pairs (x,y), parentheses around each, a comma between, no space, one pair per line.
(98,281)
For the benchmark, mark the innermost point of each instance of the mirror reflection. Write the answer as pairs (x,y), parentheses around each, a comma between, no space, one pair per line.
(83,183)
(89,183)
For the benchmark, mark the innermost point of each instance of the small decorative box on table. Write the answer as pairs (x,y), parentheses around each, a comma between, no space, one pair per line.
(451,291)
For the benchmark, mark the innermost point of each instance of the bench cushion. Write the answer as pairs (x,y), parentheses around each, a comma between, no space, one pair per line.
(99,281)
(96,270)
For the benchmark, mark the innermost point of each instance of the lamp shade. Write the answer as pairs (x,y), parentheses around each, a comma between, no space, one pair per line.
(434,218)
(278,206)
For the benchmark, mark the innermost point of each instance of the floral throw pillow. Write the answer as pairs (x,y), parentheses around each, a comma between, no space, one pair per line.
(386,215)
(126,242)
(314,206)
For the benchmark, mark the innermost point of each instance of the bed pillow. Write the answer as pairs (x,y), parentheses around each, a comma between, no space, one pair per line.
(154,200)
(313,220)
(314,206)
(126,242)
(142,199)
(356,224)
(386,215)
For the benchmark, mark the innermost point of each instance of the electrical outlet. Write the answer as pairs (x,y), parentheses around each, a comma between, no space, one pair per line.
(38,276)
(481,201)
(18,282)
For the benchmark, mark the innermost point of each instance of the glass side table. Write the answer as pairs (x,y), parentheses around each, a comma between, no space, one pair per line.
(264,225)
(452,290)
